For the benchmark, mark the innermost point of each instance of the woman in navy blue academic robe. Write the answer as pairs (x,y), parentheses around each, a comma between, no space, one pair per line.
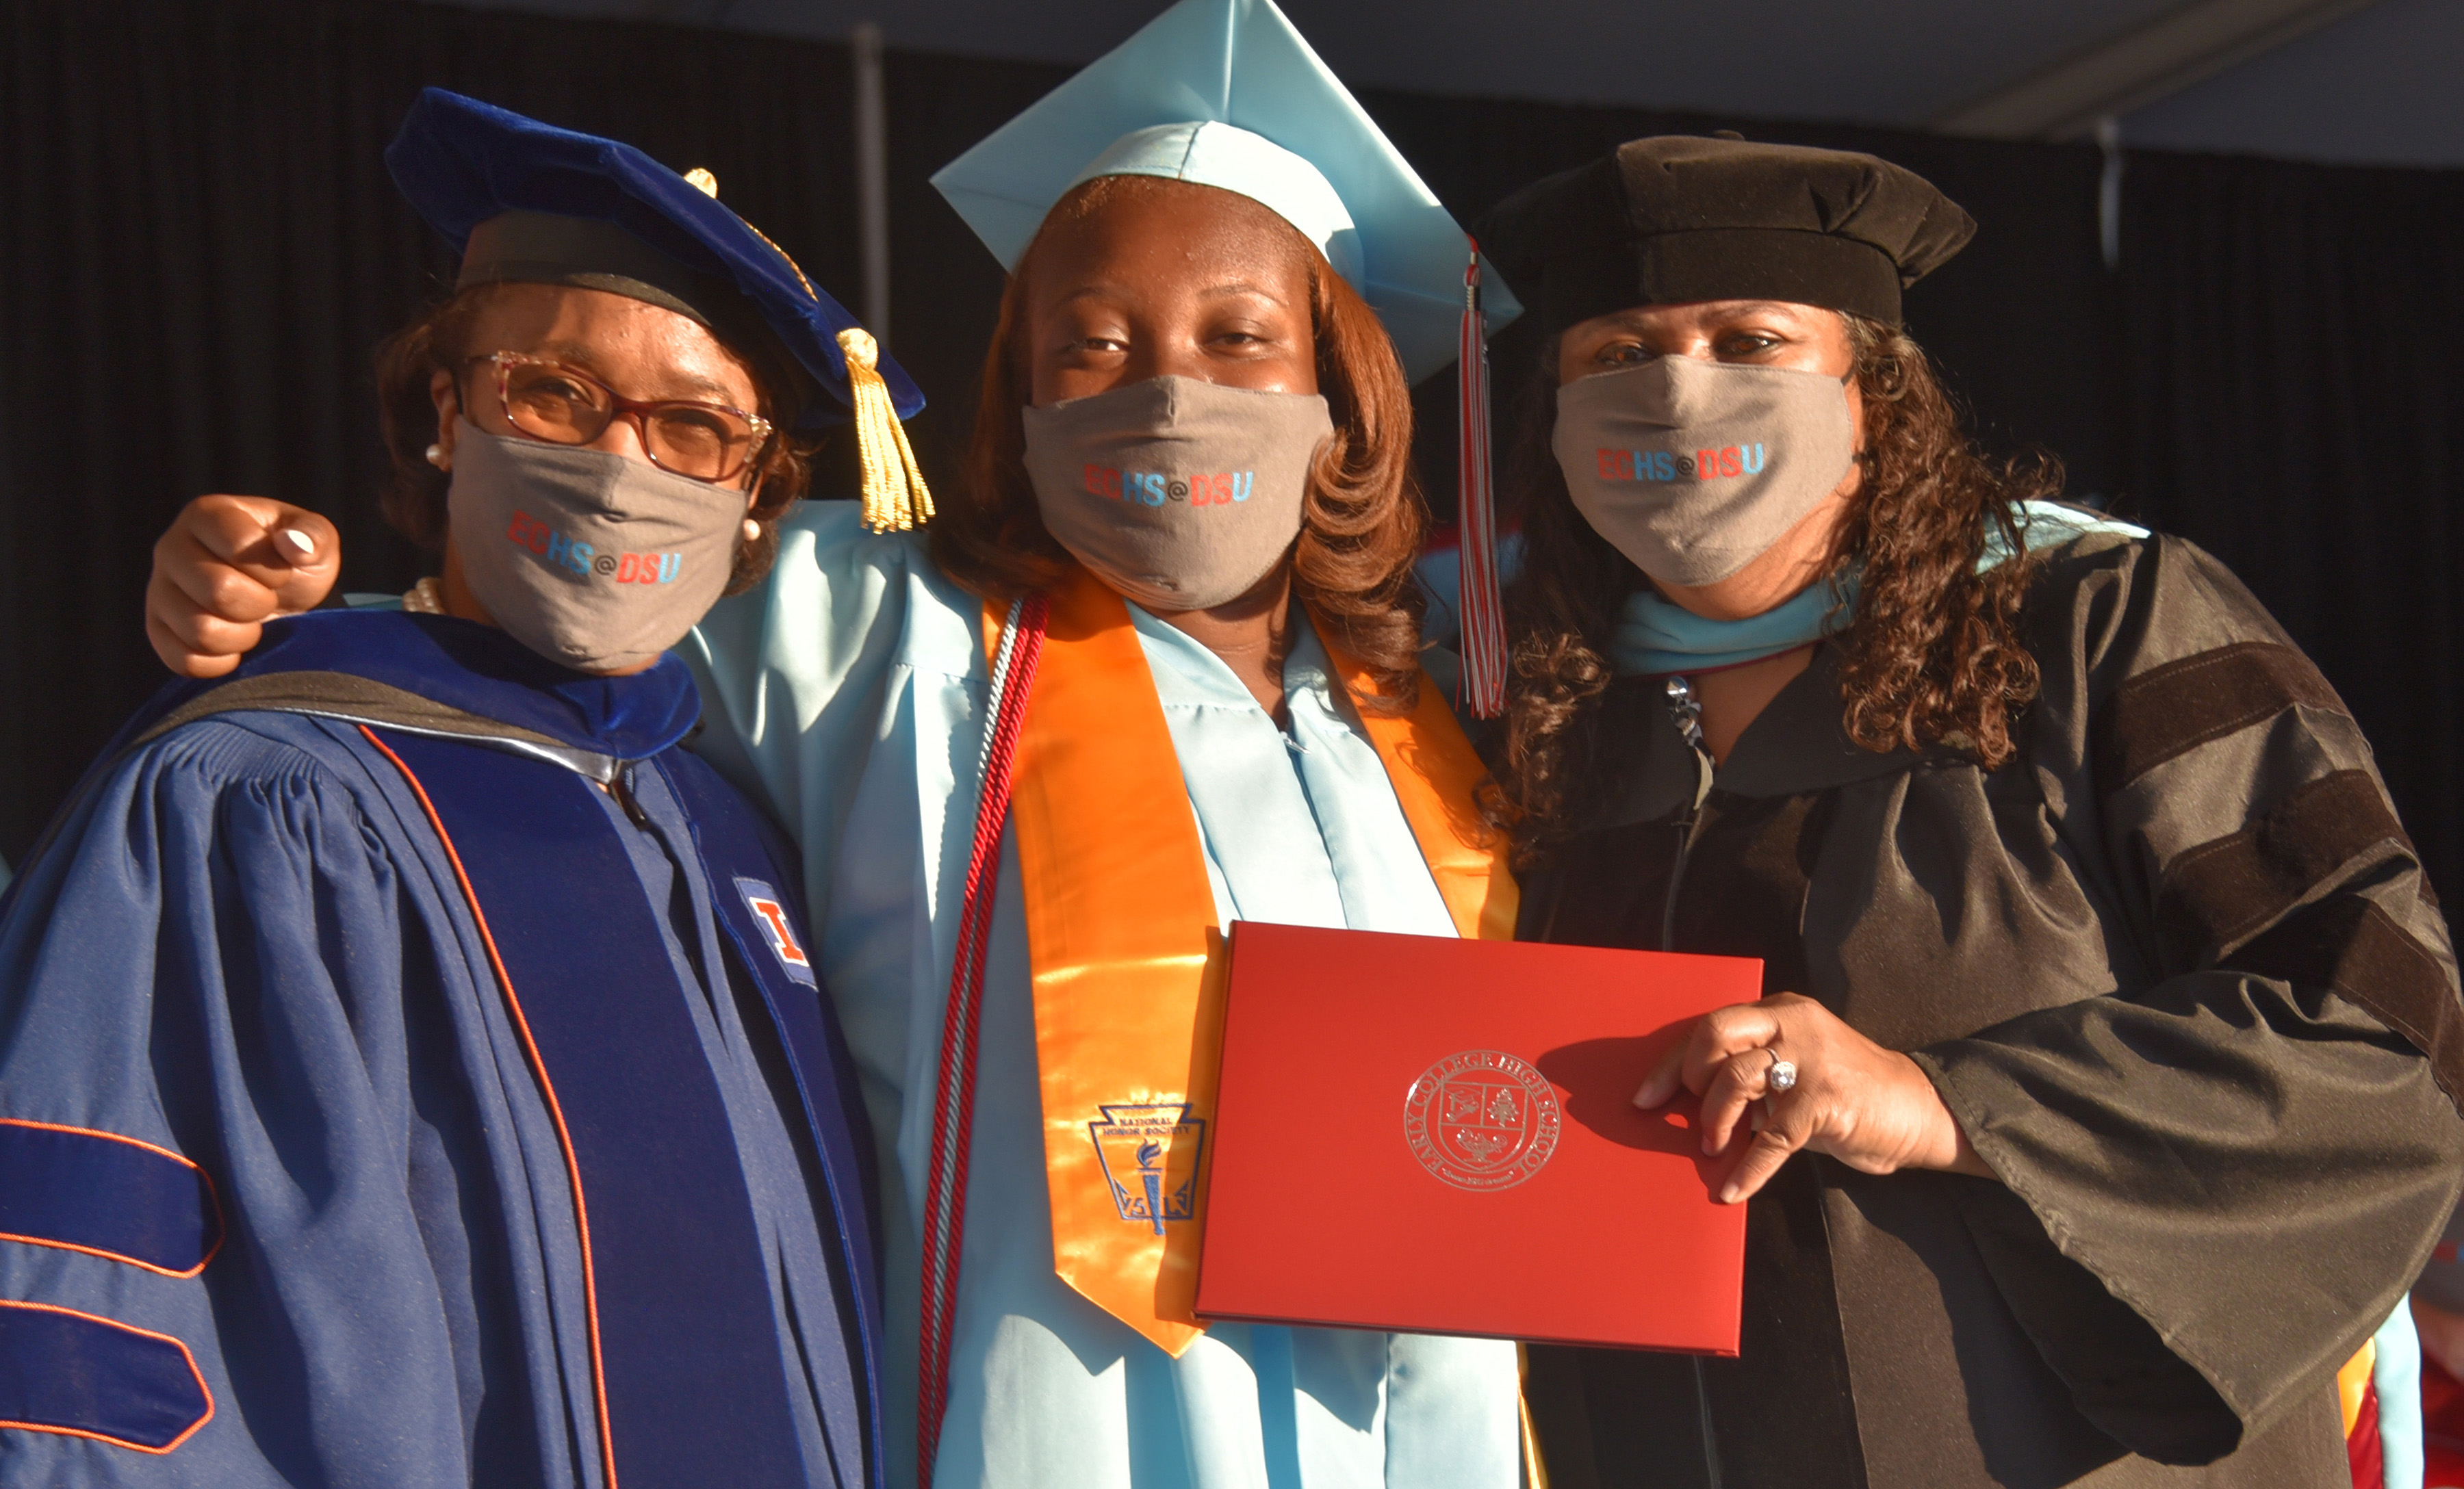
(293,1115)
(411,1071)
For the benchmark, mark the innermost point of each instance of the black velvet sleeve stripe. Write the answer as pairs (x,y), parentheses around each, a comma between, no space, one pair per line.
(2354,947)
(2171,709)
(2223,891)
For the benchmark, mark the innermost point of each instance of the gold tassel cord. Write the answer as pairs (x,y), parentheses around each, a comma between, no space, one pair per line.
(895,498)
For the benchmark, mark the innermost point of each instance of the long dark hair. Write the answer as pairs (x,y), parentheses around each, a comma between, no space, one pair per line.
(1361,524)
(439,340)
(1932,657)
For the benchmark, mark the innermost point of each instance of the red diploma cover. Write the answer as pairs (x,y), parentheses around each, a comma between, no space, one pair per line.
(1434,1135)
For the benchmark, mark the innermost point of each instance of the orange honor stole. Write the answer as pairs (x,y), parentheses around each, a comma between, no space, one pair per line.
(1127,960)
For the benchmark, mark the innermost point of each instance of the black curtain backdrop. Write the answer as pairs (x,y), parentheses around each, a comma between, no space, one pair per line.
(201,251)
(2295,356)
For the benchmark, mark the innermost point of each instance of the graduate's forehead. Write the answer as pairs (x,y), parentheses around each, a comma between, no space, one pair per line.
(1141,238)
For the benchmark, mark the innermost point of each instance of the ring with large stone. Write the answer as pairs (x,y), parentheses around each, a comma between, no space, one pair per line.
(1782,1076)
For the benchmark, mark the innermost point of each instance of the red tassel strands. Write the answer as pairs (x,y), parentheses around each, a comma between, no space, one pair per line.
(1481,606)
(954,1114)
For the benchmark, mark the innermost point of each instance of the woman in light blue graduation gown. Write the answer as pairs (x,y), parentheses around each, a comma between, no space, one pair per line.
(852,692)
(862,731)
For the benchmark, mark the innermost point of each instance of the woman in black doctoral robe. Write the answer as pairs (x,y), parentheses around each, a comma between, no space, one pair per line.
(2102,1100)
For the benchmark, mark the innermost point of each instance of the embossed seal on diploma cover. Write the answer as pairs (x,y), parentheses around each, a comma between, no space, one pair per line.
(1482,1120)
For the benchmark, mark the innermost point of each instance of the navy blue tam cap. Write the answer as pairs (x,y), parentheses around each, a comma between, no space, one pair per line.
(525,202)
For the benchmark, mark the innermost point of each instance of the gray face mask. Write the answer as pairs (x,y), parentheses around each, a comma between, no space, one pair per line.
(1694,468)
(1179,493)
(589,558)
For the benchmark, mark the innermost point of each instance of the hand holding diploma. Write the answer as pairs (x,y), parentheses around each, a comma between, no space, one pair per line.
(1785,1073)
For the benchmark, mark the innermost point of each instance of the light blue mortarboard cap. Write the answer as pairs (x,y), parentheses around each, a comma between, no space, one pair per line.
(1225,93)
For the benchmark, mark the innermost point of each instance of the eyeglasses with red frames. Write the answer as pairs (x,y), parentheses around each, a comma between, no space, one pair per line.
(549,401)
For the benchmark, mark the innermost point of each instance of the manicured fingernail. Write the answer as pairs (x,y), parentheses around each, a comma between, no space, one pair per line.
(301,540)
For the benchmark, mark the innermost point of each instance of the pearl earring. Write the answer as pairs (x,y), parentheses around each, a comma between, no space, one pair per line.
(436,456)
(752,531)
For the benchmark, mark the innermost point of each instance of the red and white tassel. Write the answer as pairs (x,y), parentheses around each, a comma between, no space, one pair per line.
(1481,608)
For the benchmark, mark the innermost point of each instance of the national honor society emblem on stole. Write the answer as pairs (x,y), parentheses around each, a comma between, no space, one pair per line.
(1482,1120)
(1150,1155)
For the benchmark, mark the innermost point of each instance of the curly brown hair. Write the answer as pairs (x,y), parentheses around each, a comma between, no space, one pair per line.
(1363,517)
(1933,655)
(413,496)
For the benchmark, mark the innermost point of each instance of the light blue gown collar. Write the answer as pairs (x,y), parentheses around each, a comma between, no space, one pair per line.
(1298,824)
(1197,674)
(1655,637)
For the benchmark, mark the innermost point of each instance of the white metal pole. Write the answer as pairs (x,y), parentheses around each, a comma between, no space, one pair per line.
(871,177)
(2108,191)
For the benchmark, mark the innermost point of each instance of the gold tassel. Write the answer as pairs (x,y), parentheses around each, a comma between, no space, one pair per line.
(895,498)
(895,495)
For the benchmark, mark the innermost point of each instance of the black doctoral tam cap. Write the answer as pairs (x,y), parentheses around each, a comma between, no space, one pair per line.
(1677,218)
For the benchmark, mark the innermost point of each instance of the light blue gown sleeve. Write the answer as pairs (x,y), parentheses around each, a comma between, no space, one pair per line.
(805,676)
(2396,1374)
(845,694)
(214,960)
